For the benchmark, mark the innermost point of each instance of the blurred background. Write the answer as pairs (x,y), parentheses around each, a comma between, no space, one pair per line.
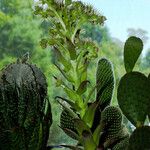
(21,31)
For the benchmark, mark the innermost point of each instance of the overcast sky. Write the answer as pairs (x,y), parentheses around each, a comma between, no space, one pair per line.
(124,14)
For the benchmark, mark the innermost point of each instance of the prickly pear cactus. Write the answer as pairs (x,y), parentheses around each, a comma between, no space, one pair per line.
(122,144)
(113,129)
(133,97)
(104,82)
(140,139)
(25,113)
(67,124)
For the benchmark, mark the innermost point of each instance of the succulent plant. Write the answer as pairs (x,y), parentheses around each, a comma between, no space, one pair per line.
(104,82)
(25,112)
(140,139)
(97,124)
(67,124)
(113,128)
(133,96)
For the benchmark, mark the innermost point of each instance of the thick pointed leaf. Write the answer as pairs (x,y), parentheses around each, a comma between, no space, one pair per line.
(67,75)
(82,88)
(89,114)
(87,140)
(71,133)
(133,97)
(104,82)
(74,97)
(132,50)
(71,49)
(72,104)
(81,126)
(97,134)
(62,60)
(140,139)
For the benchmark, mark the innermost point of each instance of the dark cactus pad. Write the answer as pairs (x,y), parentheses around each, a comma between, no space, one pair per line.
(140,139)
(111,116)
(67,123)
(111,120)
(104,82)
(133,97)
(122,144)
(23,91)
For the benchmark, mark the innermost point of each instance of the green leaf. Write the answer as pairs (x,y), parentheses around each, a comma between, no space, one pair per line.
(74,96)
(68,76)
(89,114)
(140,139)
(133,97)
(81,126)
(71,49)
(104,82)
(72,104)
(87,141)
(97,134)
(68,2)
(82,88)
(132,50)
(62,60)
(71,133)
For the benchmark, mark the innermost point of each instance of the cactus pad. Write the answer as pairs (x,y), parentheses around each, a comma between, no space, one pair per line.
(111,119)
(111,116)
(67,122)
(104,82)
(122,144)
(133,97)
(140,139)
(132,50)
(23,91)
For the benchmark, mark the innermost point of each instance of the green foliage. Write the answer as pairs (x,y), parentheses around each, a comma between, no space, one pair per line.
(24,109)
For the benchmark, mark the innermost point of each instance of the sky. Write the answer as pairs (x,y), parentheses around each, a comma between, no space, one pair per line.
(124,14)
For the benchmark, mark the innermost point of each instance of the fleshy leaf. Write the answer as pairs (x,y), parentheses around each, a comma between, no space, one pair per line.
(62,60)
(87,140)
(71,103)
(97,134)
(132,50)
(82,88)
(74,96)
(81,126)
(133,97)
(89,114)
(71,49)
